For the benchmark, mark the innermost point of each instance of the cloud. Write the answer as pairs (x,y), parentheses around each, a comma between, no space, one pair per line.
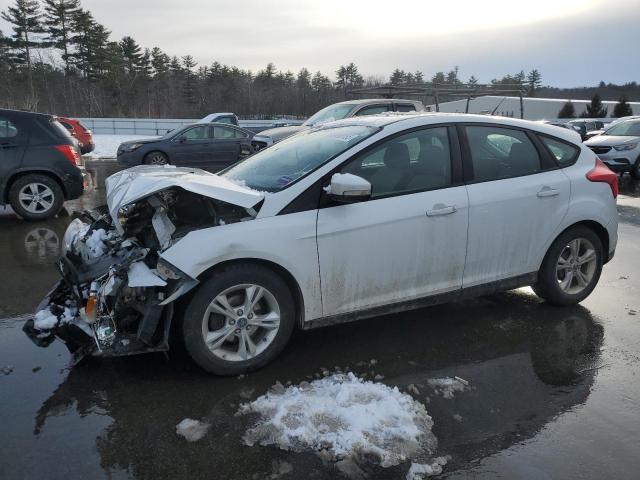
(572,42)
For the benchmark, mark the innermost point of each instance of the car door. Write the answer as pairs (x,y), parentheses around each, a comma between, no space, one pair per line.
(191,147)
(13,142)
(225,147)
(409,240)
(517,199)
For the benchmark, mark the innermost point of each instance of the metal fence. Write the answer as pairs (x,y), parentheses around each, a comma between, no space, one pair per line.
(160,126)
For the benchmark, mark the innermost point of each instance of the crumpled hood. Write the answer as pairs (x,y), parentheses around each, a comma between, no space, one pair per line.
(280,133)
(610,140)
(135,183)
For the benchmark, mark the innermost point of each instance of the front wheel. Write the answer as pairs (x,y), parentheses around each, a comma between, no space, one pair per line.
(239,320)
(156,158)
(572,267)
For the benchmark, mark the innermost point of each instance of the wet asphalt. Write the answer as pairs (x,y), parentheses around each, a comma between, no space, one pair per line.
(555,392)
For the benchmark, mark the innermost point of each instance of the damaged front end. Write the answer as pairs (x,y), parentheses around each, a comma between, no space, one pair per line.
(116,294)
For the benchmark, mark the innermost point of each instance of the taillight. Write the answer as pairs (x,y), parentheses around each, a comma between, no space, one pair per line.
(602,173)
(69,152)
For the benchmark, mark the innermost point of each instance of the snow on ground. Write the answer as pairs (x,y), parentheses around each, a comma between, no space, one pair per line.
(448,386)
(107,145)
(192,430)
(342,417)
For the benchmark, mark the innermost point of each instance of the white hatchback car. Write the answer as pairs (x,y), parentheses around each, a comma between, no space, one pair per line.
(348,220)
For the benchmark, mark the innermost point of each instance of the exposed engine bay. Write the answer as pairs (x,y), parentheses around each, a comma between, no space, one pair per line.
(116,294)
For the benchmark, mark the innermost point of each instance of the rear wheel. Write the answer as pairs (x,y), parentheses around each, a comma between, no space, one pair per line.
(36,197)
(239,320)
(156,158)
(572,267)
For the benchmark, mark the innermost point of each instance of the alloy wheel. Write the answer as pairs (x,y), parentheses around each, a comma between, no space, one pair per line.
(36,197)
(241,322)
(576,266)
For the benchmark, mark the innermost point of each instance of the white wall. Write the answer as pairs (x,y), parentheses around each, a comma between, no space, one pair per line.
(534,108)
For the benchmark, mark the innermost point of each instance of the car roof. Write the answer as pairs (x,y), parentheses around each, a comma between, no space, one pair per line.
(24,113)
(363,101)
(431,118)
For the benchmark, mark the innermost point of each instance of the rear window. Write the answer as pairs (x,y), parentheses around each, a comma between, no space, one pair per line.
(60,129)
(564,153)
(406,107)
(7,128)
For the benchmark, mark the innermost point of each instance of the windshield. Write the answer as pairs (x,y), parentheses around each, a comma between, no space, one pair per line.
(329,114)
(624,129)
(280,165)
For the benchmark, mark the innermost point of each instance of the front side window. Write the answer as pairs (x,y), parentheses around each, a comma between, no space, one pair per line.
(7,129)
(372,110)
(224,120)
(196,133)
(416,161)
(498,152)
(280,165)
(564,153)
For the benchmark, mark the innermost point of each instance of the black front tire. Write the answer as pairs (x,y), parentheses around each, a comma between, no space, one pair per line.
(220,281)
(22,182)
(548,287)
(156,158)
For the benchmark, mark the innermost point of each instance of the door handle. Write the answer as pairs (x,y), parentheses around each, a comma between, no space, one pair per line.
(7,145)
(548,192)
(441,209)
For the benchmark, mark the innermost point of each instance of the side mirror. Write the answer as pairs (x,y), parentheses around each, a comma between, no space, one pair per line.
(348,188)
(182,139)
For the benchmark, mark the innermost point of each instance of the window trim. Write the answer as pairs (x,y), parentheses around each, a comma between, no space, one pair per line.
(547,161)
(175,138)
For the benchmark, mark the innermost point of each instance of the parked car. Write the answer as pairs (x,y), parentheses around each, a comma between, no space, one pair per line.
(213,146)
(38,164)
(344,221)
(619,147)
(337,111)
(80,133)
(229,118)
(584,126)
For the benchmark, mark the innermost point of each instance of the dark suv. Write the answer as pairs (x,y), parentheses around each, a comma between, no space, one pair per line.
(38,164)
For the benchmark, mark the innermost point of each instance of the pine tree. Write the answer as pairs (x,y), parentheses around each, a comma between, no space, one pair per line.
(438,79)
(58,18)
(90,42)
(131,52)
(622,108)
(473,81)
(25,18)
(452,77)
(397,77)
(189,87)
(418,76)
(534,82)
(595,109)
(567,111)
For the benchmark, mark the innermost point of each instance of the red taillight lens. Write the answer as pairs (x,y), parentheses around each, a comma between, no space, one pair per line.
(69,152)
(602,173)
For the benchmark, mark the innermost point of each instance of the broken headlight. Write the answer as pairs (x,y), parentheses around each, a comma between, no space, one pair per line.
(72,233)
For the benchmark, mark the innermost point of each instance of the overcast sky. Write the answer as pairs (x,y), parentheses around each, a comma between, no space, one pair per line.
(572,42)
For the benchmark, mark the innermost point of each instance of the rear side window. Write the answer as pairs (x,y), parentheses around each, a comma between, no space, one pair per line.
(372,110)
(226,133)
(564,153)
(406,107)
(498,153)
(7,128)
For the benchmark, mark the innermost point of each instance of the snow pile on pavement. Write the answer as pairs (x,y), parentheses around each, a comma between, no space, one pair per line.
(419,471)
(447,386)
(192,430)
(343,417)
(107,145)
